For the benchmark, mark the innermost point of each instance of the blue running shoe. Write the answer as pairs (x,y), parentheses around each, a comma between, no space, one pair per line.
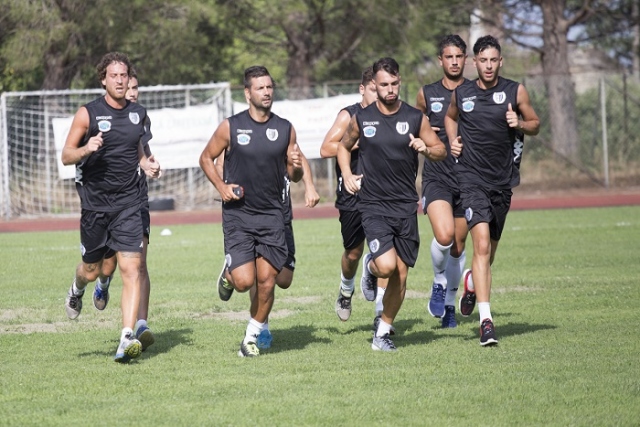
(100,297)
(264,339)
(145,336)
(436,303)
(449,318)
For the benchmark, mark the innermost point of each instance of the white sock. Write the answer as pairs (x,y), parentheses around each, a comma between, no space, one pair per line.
(379,298)
(453,272)
(125,332)
(485,311)
(104,285)
(265,326)
(346,285)
(140,323)
(383,328)
(75,291)
(439,256)
(253,330)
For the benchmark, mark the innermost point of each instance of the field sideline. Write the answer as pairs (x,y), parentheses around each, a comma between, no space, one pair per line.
(564,302)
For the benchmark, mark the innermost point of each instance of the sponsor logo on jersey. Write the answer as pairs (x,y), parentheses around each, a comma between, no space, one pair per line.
(370,123)
(104,126)
(468,106)
(499,97)
(402,128)
(436,107)
(243,139)
(468,214)
(272,134)
(103,117)
(374,246)
(369,131)
(135,118)
(244,130)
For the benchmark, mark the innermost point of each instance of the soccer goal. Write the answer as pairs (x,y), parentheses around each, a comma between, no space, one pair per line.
(34,126)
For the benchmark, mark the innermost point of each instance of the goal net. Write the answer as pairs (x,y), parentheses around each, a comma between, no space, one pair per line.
(34,126)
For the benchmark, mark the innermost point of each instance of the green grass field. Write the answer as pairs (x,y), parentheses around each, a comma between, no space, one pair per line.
(565,304)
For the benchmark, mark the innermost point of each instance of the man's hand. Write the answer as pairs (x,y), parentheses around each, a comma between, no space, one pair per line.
(417,144)
(94,143)
(151,167)
(456,147)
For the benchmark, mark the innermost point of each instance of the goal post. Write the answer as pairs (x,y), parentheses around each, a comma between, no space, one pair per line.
(33,126)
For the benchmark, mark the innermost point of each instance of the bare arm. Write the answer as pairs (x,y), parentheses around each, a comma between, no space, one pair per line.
(451,127)
(311,196)
(530,123)
(434,149)
(347,142)
(294,161)
(218,142)
(332,139)
(421,103)
(72,153)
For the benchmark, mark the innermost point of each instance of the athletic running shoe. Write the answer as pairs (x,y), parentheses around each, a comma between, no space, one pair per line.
(449,318)
(467,301)
(376,322)
(225,290)
(129,348)
(73,304)
(383,343)
(369,282)
(100,297)
(145,336)
(436,303)
(248,349)
(343,306)
(487,333)
(264,339)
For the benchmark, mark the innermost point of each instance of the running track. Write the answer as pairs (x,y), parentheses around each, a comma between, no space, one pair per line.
(591,198)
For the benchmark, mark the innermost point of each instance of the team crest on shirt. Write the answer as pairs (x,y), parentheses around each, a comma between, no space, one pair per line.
(104,126)
(369,131)
(243,139)
(272,134)
(468,106)
(402,128)
(468,214)
(436,107)
(135,118)
(374,246)
(499,97)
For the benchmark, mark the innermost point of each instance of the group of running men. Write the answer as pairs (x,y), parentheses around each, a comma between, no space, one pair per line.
(470,133)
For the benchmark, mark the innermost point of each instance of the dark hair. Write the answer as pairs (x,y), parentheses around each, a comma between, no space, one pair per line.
(452,40)
(486,42)
(133,73)
(386,64)
(367,76)
(253,73)
(107,60)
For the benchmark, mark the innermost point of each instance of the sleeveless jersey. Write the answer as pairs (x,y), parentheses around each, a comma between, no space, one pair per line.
(437,99)
(109,179)
(388,163)
(487,140)
(344,200)
(256,160)
(144,187)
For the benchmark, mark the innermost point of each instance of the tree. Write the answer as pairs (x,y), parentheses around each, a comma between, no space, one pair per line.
(170,41)
(529,22)
(336,39)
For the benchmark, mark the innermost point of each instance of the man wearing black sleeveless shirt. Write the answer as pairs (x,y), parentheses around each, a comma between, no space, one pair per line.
(483,120)
(104,144)
(350,219)
(260,147)
(440,192)
(109,264)
(388,161)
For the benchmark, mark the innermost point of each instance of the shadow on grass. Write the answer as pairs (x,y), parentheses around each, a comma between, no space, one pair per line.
(164,341)
(296,338)
(506,329)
